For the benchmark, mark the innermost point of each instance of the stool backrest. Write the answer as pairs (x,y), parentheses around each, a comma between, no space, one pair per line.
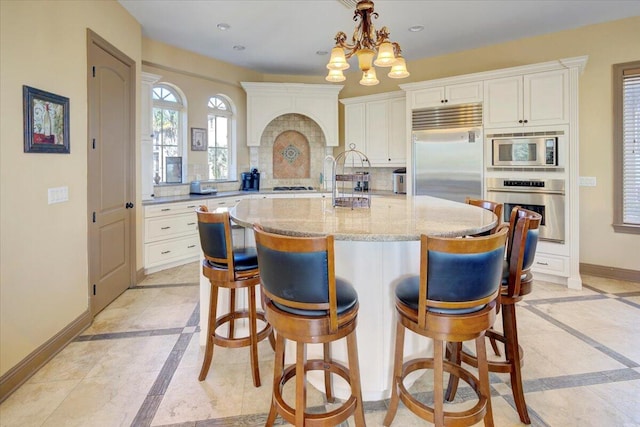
(494,207)
(215,238)
(524,228)
(459,275)
(298,272)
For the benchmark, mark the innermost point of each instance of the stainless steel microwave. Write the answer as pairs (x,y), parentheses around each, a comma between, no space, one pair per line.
(538,151)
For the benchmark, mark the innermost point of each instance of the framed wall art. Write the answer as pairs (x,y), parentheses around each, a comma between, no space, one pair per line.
(46,121)
(198,139)
(173,173)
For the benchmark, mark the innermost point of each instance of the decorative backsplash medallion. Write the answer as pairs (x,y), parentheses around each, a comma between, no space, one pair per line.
(291,152)
(291,155)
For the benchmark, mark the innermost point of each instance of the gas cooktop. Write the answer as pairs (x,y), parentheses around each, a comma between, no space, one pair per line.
(295,188)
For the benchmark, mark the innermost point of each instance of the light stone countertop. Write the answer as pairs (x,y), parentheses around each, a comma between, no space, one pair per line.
(388,218)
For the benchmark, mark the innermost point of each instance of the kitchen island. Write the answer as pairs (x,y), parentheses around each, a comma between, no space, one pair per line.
(375,247)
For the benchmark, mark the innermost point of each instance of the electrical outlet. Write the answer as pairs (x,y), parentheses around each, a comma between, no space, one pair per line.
(587,181)
(58,195)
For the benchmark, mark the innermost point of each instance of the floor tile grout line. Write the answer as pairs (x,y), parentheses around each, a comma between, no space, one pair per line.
(584,338)
(149,407)
(129,334)
(631,303)
(562,300)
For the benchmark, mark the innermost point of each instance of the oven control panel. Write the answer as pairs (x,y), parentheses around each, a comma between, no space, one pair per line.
(530,185)
(520,183)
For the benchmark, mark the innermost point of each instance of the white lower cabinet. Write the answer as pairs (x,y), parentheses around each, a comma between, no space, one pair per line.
(171,232)
(170,235)
(550,264)
(166,253)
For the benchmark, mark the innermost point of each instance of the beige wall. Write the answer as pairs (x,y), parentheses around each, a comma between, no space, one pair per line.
(43,248)
(200,78)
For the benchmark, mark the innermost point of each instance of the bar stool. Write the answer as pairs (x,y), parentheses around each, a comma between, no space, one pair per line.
(517,282)
(230,268)
(306,303)
(494,207)
(453,299)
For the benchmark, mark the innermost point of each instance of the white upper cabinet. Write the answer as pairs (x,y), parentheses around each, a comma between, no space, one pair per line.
(537,99)
(376,125)
(437,96)
(354,118)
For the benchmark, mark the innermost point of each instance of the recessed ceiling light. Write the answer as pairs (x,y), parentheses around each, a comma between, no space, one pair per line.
(416,28)
(238,47)
(223,27)
(321,52)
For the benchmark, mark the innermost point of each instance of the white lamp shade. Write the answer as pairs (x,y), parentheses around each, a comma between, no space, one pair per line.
(369,78)
(399,69)
(386,57)
(335,76)
(337,61)
(365,58)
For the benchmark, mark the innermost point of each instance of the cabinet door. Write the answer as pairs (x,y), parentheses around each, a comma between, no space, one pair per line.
(425,98)
(503,102)
(397,132)
(464,93)
(546,98)
(377,132)
(354,126)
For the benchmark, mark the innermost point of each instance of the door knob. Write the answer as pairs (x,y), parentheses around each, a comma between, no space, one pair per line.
(129,205)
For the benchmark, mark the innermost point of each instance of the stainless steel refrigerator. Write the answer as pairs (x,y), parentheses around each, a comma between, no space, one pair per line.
(447,163)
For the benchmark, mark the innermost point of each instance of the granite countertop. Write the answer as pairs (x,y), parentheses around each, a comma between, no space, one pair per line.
(196,197)
(191,197)
(388,218)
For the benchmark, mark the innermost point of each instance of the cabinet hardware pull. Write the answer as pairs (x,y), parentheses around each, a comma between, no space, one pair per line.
(190,207)
(542,263)
(165,252)
(165,209)
(191,246)
(191,223)
(165,228)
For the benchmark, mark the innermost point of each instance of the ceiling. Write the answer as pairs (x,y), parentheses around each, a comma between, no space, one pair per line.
(283,37)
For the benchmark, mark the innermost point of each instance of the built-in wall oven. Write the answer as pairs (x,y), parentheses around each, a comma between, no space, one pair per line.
(544,196)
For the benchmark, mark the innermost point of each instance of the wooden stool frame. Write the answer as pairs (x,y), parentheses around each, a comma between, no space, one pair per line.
(305,329)
(518,285)
(222,273)
(443,328)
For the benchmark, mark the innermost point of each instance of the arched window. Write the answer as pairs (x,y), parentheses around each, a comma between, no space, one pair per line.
(219,138)
(168,108)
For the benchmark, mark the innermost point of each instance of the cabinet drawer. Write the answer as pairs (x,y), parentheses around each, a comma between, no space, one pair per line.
(165,227)
(550,264)
(170,209)
(224,202)
(171,250)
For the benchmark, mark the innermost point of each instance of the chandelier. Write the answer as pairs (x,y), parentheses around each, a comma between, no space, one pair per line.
(365,43)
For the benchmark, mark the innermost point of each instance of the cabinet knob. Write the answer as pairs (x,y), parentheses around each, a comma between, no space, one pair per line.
(526,121)
(446,100)
(442,101)
(519,121)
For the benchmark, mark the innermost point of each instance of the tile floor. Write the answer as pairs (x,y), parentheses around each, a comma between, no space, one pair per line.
(138,364)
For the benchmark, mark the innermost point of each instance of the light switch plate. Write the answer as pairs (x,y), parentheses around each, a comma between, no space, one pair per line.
(58,194)
(587,181)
